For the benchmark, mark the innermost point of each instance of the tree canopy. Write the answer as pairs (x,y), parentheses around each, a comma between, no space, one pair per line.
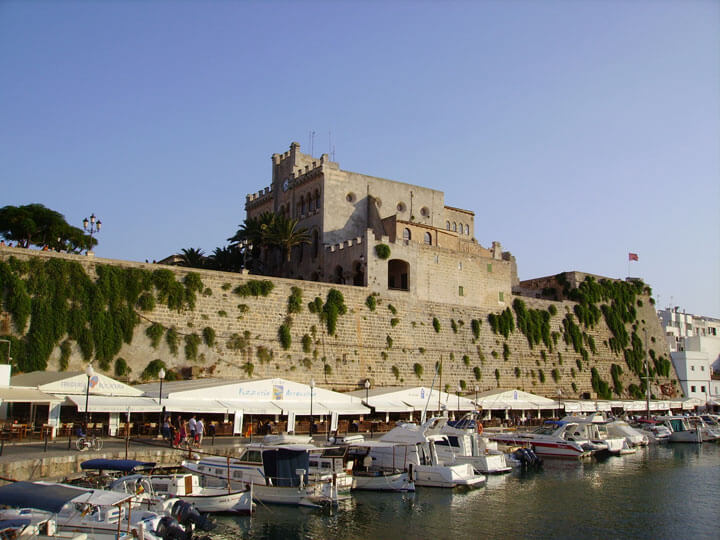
(34,224)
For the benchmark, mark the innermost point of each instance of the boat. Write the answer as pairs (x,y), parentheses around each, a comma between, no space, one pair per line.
(709,432)
(24,528)
(414,448)
(278,473)
(554,439)
(99,514)
(655,431)
(465,444)
(681,431)
(594,429)
(159,492)
(620,428)
(366,474)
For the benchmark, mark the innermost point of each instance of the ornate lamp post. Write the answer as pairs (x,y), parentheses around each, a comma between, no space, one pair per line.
(92,225)
(161,374)
(90,372)
(312,391)
(367,388)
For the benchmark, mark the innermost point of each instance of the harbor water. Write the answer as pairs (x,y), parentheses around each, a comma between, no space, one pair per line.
(661,492)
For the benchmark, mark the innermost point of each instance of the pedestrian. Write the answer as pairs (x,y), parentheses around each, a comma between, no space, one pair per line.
(165,430)
(182,432)
(192,428)
(200,427)
(2,243)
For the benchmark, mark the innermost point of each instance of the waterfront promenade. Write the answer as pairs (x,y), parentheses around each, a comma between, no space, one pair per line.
(35,461)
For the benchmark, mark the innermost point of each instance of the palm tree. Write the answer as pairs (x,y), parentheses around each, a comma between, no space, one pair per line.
(285,234)
(192,257)
(253,240)
(226,259)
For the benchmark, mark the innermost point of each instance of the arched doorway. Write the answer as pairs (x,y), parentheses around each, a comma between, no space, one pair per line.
(358,274)
(398,275)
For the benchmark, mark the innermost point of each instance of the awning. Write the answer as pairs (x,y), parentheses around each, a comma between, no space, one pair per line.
(19,394)
(345,407)
(207,406)
(603,405)
(121,404)
(381,405)
(250,406)
(635,406)
(571,406)
(301,408)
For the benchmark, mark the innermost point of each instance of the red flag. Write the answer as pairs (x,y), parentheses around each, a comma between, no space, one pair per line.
(632,257)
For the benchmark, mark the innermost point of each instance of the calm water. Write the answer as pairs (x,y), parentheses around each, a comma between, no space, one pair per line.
(670,491)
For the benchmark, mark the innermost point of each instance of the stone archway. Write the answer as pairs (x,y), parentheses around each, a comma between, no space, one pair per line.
(398,275)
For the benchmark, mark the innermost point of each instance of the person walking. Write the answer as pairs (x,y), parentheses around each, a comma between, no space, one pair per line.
(200,432)
(192,428)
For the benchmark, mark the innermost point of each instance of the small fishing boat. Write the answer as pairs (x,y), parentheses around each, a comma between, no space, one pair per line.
(681,429)
(279,474)
(620,428)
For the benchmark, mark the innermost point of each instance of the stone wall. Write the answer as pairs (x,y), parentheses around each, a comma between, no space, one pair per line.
(379,345)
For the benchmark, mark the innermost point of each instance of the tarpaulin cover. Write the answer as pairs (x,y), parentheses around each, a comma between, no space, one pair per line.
(50,498)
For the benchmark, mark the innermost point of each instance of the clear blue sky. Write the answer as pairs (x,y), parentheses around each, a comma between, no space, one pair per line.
(577,131)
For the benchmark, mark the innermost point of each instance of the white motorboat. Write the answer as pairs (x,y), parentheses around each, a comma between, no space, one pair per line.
(681,429)
(414,449)
(465,444)
(279,474)
(594,429)
(553,439)
(620,428)
(709,432)
(26,529)
(100,514)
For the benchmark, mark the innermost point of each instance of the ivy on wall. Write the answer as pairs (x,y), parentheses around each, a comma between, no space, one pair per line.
(54,299)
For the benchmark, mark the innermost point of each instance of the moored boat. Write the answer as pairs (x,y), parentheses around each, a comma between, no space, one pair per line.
(553,439)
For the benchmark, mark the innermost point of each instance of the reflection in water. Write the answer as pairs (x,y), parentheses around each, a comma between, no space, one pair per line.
(661,492)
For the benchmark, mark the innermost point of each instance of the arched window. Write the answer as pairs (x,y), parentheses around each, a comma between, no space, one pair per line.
(317,200)
(406,235)
(310,202)
(302,206)
(461,228)
(315,244)
(428,239)
(467,230)
(447,225)
(454,227)
(339,279)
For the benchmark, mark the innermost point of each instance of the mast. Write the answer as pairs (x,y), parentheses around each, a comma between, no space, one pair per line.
(647,379)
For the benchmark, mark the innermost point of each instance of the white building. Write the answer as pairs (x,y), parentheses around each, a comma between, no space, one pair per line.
(695,351)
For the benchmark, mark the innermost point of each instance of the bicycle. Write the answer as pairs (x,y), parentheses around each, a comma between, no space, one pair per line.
(86,443)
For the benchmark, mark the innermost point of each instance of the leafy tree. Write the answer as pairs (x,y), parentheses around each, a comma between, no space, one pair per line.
(34,224)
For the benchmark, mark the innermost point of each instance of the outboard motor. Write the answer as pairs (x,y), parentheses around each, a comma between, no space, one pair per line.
(188,515)
(170,529)
(527,458)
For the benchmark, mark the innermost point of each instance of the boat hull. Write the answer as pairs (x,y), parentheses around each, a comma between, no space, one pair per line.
(382,482)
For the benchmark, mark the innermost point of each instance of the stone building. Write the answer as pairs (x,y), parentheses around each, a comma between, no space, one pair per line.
(433,251)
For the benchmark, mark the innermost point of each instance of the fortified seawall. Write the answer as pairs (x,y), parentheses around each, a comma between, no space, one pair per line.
(391,339)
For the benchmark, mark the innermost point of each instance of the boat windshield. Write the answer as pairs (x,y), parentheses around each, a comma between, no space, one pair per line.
(545,430)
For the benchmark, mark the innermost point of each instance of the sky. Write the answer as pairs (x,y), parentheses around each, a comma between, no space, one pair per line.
(577,131)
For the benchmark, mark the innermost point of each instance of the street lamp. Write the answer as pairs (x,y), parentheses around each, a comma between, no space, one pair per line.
(476,391)
(90,372)
(161,374)
(312,391)
(367,388)
(92,225)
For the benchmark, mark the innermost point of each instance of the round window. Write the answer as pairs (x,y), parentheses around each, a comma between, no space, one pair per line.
(401,207)
(350,197)
(425,211)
